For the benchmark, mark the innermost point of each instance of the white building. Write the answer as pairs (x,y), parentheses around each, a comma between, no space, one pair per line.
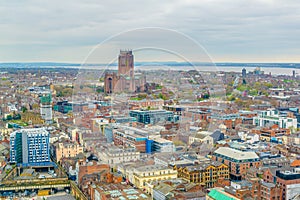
(252,138)
(145,174)
(202,138)
(162,145)
(292,191)
(12,108)
(100,123)
(272,116)
(113,155)
(249,137)
(56,137)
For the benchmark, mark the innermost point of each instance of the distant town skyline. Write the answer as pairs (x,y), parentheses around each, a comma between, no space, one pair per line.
(230,31)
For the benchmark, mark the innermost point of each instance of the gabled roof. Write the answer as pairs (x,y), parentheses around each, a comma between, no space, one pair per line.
(217,135)
(295,163)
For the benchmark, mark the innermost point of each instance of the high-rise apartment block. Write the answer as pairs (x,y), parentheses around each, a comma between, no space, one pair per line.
(30,146)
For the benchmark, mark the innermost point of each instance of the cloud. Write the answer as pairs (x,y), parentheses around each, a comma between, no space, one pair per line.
(257,30)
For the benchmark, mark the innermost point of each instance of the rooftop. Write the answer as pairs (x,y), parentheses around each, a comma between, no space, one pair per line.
(32,131)
(295,163)
(219,193)
(149,168)
(200,135)
(121,191)
(203,166)
(62,197)
(236,154)
(268,185)
(162,140)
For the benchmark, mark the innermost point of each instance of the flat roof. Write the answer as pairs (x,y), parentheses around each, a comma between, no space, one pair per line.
(150,168)
(269,185)
(219,193)
(162,140)
(236,154)
(32,131)
(62,197)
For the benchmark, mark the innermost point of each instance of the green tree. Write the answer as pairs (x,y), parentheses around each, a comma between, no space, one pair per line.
(24,109)
(253,92)
(231,98)
(100,90)
(162,96)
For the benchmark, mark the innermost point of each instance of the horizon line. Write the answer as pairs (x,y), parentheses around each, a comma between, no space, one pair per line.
(78,63)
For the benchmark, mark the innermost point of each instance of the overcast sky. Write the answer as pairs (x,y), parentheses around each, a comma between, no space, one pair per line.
(229,30)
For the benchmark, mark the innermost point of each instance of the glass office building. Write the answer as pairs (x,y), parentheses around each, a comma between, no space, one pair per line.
(153,116)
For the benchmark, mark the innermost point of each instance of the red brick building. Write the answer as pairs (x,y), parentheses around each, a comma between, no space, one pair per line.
(284,178)
(266,133)
(90,168)
(270,191)
(238,161)
(130,138)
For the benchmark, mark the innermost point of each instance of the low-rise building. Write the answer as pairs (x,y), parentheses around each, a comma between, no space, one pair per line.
(202,138)
(65,149)
(144,174)
(162,145)
(177,159)
(84,168)
(230,120)
(287,178)
(175,189)
(238,161)
(272,116)
(270,160)
(63,106)
(205,174)
(219,193)
(291,139)
(244,189)
(113,155)
(176,109)
(153,116)
(130,137)
(273,133)
(144,103)
(101,191)
(270,191)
